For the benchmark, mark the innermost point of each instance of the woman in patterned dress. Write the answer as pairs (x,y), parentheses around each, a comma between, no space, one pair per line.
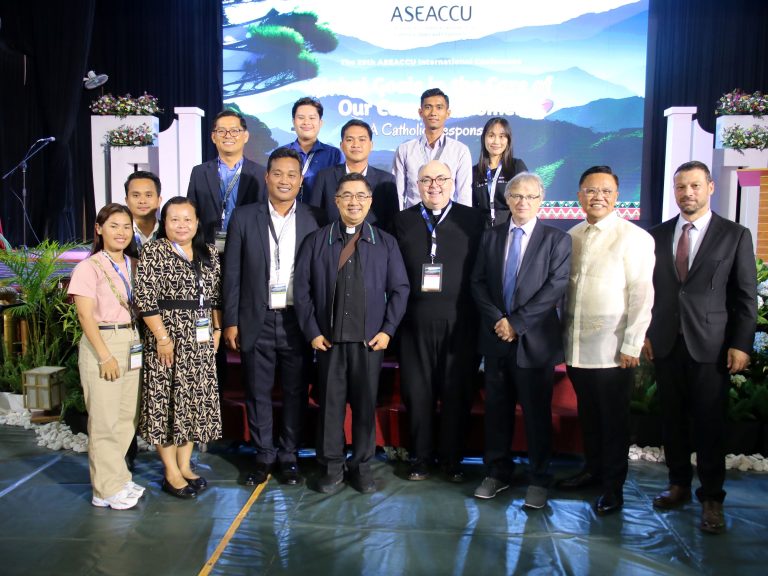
(177,291)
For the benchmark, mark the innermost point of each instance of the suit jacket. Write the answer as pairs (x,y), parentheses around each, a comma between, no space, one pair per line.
(541,283)
(458,238)
(205,190)
(716,306)
(247,263)
(385,204)
(314,281)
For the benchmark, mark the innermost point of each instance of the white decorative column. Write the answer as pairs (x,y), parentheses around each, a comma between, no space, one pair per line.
(102,181)
(686,141)
(726,162)
(124,160)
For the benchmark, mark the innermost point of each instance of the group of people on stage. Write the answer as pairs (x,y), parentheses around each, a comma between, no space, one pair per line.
(321,258)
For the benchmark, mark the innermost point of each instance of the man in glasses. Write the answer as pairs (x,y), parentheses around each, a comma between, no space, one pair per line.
(350,291)
(217,186)
(519,279)
(608,310)
(438,239)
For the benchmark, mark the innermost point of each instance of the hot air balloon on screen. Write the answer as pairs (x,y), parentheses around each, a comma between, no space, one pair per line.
(547,105)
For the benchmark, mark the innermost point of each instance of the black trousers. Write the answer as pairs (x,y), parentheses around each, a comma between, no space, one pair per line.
(694,392)
(348,372)
(603,396)
(279,346)
(437,362)
(505,385)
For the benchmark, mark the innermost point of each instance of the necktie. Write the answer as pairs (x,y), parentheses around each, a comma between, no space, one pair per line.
(510,272)
(683,252)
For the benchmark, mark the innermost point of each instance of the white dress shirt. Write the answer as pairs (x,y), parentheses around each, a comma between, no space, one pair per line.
(610,292)
(695,235)
(285,229)
(413,154)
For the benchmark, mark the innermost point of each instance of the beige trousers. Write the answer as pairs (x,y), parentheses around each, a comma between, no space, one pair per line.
(112,412)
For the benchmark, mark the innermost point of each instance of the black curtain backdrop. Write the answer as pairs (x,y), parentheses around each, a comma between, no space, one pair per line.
(168,48)
(697,50)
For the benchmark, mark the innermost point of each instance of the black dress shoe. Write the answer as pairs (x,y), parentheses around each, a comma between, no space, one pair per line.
(583,479)
(330,483)
(290,475)
(363,483)
(184,493)
(608,503)
(418,470)
(454,473)
(199,483)
(258,476)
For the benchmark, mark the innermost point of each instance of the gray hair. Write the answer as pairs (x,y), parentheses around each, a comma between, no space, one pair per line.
(520,179)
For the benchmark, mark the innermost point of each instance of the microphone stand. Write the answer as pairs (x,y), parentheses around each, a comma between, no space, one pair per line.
(34,149)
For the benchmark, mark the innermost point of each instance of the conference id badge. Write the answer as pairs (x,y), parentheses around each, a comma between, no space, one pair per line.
(278,296)
(135,356)
(431,277)
(220,239)
(202,329)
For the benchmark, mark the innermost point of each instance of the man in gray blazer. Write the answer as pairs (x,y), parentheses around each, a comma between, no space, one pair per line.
(259,318)
(520,275)
(702,329)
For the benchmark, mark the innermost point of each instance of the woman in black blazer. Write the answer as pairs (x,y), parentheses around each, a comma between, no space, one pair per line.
(496,167)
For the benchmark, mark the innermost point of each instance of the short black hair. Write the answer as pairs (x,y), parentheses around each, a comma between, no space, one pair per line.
(143,174)
(199,247)
(352,177)
(356,122)
(694,165)
(283,152)
(435,92)
(598,170)
(229,112)
(307,101)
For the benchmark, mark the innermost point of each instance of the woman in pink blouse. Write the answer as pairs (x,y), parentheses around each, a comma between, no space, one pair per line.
(110,355)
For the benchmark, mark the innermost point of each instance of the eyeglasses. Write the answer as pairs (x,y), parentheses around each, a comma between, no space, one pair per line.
(593,192)
(348,196)
(520,197)
(234,132)
(440,181)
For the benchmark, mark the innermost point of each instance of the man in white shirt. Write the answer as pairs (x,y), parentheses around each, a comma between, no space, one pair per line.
(259,318)
(608,310)
(434,144)
(142,196)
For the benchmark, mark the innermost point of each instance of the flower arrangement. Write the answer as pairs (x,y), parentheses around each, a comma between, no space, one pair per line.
(740,138)
(122,106)
(131,136)
(738,102)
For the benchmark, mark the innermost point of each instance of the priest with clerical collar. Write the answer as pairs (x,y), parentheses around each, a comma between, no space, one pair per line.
(350,292)
(438,239)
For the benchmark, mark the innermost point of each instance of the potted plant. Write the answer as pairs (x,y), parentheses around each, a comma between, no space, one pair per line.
(740,122)
(39,274)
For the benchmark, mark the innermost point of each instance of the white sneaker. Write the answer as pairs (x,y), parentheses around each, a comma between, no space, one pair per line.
(134,489)
(120,501)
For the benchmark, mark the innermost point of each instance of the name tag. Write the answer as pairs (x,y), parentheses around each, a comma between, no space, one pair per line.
(278,296)
(202,330)
(136,356)
(220,240)
(431,277)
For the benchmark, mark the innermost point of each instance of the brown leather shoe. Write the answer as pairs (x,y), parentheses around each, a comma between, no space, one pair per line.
(673,497)
(712,517)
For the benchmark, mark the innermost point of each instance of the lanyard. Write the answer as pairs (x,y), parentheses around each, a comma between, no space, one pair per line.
(277,238)
(491,183)
(426,148)
(433,227)
(226,193)
(128,282)
(307,162)
(198,273)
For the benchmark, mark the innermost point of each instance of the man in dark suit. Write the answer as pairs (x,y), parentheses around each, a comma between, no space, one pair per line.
(259,317)
(217,186)
(438,239)
(520,276)
(356,144)
(702,329)
(350,291)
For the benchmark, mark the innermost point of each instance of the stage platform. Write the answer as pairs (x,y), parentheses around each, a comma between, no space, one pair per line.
(48,526)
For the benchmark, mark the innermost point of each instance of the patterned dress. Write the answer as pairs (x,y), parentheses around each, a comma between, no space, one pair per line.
(179,403)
